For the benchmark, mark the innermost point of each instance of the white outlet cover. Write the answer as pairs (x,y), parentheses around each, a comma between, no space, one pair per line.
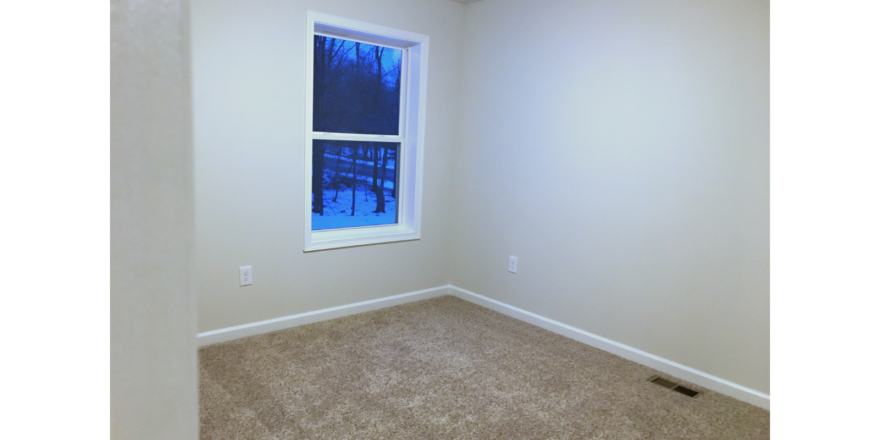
(246,275)
(511,266)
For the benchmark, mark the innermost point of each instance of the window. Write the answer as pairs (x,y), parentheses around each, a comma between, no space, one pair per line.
(365,112)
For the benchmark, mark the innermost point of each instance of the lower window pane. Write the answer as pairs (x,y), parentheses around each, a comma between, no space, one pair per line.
(354,184)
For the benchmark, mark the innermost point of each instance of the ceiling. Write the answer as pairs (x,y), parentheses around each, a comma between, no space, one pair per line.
(466,1)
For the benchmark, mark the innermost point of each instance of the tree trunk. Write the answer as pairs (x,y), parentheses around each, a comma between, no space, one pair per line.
(350,171)
(318,109)
(318,178)
(338,159)
(375,166)
(384,165)
(354,178)
(380,201)
(380,192)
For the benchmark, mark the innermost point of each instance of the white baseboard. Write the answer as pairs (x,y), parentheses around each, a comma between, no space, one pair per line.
(660,364)
(689,374)
(271,325)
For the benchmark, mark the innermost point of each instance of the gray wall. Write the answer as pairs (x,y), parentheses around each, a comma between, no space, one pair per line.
(248,72)
(153,374)
(621,151)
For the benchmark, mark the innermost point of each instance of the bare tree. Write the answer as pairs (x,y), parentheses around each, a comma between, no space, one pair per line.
(380,191)
(326,51)
(318,177)
(336,178)
(384,165)
(354,160)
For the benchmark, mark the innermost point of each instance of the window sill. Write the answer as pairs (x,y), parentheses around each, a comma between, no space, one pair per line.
(342,238)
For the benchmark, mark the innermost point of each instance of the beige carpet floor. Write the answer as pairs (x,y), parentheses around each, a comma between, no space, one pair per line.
(444,368)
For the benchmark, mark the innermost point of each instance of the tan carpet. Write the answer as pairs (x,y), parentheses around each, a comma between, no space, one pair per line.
(444,368)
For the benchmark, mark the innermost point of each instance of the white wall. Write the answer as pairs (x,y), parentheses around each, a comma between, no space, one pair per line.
(248,70)
(153,364)
(621,151)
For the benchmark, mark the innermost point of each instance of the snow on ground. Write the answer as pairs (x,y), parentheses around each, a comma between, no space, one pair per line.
(365,162)
(338,214)
(362,180)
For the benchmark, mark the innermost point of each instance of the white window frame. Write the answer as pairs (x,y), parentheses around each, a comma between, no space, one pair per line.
(414,76)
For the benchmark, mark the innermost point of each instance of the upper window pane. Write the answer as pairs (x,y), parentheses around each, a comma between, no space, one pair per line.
(356,87)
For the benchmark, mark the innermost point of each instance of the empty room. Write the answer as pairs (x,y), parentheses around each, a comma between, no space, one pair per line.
(427,219)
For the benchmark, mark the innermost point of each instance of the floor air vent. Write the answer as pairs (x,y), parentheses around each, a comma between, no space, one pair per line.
(673,386)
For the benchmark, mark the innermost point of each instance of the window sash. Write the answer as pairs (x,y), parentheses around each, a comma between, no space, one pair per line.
(404,98)
(395,201)
(401,138)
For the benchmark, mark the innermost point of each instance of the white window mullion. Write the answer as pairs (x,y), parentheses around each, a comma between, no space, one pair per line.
(356,137)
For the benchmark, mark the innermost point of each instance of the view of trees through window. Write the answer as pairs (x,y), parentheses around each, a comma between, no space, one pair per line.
(356,90)
(358,186)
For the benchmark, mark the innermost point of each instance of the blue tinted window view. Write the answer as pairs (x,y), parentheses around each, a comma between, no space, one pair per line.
(354,184)
(356,87)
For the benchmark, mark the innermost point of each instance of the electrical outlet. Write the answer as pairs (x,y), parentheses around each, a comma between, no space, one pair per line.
(511,265)
(246,275)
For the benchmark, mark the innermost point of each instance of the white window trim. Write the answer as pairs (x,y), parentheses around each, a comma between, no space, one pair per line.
(411,137)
